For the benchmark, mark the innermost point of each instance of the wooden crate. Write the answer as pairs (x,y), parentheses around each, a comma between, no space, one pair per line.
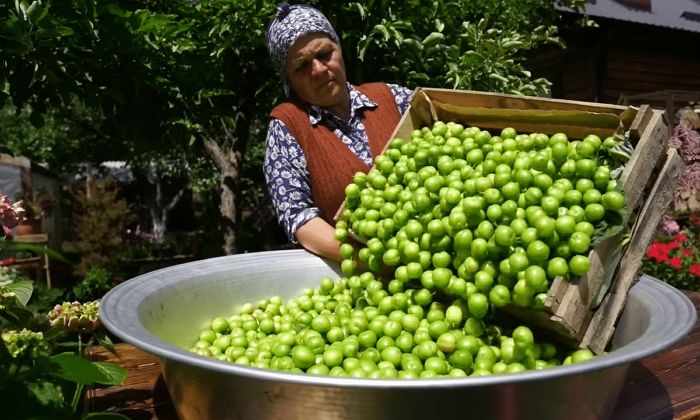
(648,179)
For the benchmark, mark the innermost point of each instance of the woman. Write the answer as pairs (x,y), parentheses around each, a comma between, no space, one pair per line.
(327,131)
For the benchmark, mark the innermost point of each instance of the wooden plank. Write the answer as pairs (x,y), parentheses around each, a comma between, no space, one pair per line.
(143,393)
(575,124)
(601,328)
(503,101)
(555,294)
(651,146)
(575,307)
(640,122)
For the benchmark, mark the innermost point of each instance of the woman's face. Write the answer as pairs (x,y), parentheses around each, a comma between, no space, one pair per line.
(316,71)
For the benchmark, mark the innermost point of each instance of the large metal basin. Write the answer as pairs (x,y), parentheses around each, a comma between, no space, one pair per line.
(163,311)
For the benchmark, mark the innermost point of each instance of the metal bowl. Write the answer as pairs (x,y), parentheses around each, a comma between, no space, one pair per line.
(163,311)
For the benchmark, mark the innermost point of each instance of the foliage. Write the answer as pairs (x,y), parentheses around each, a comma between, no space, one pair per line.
(100,219)
(192,80)
(674,255)
(36,203)
(43,370)
(61,142)
(675,258)
(478,45)
(42,356)
(9,275)
(11,214)
(94,285)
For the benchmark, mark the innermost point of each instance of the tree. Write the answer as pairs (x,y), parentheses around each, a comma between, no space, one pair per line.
(190,79)
(474,45)
(179,67)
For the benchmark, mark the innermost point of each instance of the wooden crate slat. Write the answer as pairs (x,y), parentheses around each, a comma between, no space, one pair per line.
(555,295)
(581,293)
(503,101)
(602,324)
(651,146)
(640,122)
(551,323)
(532,121)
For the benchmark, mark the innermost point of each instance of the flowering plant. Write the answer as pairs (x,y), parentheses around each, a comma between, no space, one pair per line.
(674,256)
(686,197)
(11,214)
(43,369)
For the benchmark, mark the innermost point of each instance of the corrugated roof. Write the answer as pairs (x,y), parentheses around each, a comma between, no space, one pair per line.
(676,14)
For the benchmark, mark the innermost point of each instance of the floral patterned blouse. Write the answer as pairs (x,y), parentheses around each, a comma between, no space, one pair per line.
(286,173)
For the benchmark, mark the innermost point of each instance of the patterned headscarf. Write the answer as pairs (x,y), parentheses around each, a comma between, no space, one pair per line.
(291,23)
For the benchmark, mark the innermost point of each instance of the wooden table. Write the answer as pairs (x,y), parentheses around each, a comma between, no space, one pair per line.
(665,386)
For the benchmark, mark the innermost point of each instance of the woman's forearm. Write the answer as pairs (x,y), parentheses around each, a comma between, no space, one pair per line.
(318,236)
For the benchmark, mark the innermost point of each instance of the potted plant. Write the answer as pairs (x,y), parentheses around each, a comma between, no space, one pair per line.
(37,204)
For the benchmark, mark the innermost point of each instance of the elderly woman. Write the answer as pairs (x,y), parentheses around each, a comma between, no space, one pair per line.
(327,131)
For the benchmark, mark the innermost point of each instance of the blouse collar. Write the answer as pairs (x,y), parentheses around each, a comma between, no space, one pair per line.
(358,101)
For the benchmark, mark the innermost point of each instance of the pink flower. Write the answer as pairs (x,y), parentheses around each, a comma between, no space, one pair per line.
(669,226)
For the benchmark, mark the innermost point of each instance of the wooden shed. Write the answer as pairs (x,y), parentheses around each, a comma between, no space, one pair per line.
(630,57)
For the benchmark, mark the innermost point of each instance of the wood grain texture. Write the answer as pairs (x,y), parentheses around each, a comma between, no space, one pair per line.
(601,328)
(663,387)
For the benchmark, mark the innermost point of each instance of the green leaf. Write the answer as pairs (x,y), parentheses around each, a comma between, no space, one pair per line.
(114,373)
(36,12)
(118,11)
(439,25)
(77,369)
(153,23)
(379,28)
(18,316)
(106,342)
(38,249)
(498,77)
(360,9)
(46,393)
(432,39)
(55,32)
(22,290)
(512,44)
(414,46)
(53,333)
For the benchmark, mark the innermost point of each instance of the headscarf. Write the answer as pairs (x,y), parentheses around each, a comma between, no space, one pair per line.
(291,23)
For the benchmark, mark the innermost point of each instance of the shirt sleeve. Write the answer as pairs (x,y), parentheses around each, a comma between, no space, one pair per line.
(402,96)
(287,178)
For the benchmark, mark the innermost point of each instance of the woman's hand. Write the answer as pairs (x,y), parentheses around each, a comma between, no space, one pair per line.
(318,236)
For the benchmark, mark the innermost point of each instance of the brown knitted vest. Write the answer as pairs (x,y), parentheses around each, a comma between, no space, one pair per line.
(331,164)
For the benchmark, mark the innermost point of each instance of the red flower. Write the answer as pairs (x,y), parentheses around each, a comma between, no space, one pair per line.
(657,252)
(673,244)
(686,251)
(681,237)
(695,269)
(675,263)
